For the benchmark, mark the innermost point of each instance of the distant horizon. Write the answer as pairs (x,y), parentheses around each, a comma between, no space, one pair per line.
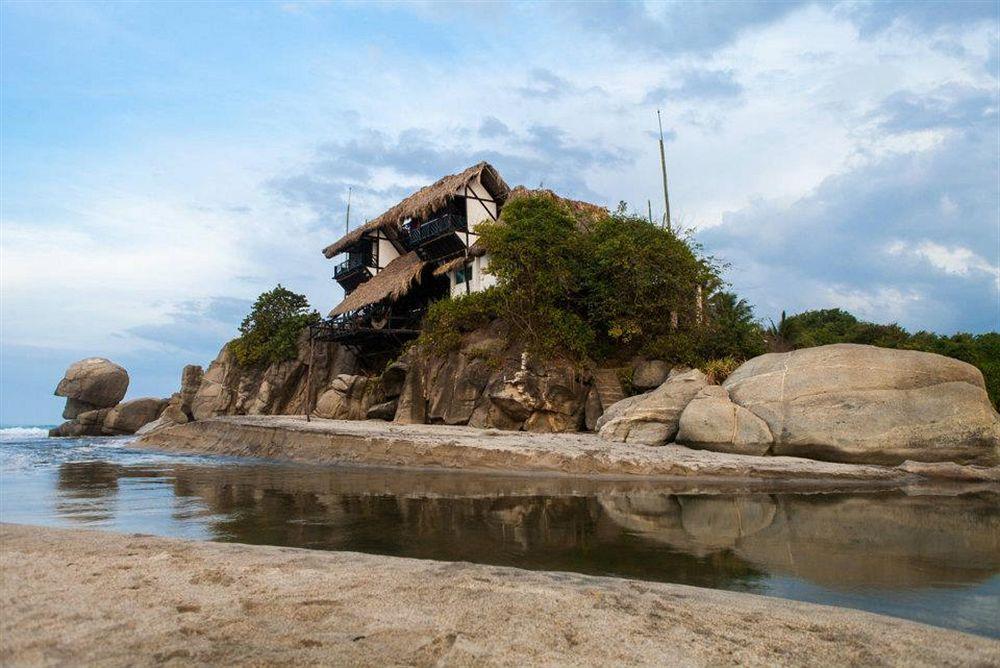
(166,163)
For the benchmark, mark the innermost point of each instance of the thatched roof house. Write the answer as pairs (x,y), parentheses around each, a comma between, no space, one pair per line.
(426,201)
(422,249)
(391,283)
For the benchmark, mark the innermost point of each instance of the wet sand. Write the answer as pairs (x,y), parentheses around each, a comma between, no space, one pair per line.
(373,442)
(87,597)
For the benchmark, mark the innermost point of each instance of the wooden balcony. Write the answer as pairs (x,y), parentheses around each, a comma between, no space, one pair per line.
(438,237)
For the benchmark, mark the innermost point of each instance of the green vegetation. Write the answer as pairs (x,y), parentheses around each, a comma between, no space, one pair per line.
(598,288)
(447,320)
(605,288)
(817,328)
(270,332)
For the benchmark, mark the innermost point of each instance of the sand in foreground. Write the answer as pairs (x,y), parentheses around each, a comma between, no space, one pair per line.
(72,597)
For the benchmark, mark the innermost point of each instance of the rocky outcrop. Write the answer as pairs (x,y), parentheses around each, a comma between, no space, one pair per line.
(279,388)
(128,417)
(90,423)
(348,397)
(855,403)
(714,422)
(491,383)
(652,418)
(90,384)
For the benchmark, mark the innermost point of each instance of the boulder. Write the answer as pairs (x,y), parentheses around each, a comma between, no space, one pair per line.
(489,382)
(75,407)
(592,410)
(649,374)
(347,398)
(95,381)
(863,404)
(713,422)
(652,418)
(455,384)
(279,388)
(383,411)
(411,407)
(540,396)
(394,378)
(130,416)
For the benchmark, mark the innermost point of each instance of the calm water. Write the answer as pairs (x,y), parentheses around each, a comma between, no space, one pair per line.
(934,559)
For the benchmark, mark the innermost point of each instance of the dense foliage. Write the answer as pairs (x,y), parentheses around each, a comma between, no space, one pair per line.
(817,328)
(599,287)
(604,289)
(271,331)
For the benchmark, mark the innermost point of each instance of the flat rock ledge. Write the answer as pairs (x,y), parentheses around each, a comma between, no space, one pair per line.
(96,598)
(378,443)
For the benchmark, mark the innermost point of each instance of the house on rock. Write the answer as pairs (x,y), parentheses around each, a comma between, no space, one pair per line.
(423,249)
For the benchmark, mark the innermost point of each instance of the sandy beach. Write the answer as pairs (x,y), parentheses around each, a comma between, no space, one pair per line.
(88,597)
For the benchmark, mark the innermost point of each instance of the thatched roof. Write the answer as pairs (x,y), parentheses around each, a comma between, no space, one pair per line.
(584,211)
(391,283)
(426,201)
(475,250)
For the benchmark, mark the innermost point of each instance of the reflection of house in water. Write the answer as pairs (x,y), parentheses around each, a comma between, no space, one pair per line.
(421,249)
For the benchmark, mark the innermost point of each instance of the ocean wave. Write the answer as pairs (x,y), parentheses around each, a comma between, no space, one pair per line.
(23,433)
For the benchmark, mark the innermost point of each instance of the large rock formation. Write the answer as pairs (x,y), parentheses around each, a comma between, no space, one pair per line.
(490,382)
(348,397)
(90,384)
(652,418)
(855,403)
(714,422)
(128,417)
(274,389)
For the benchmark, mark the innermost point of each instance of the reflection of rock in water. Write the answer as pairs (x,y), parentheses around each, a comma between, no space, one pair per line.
(87,490)
(837,540)
(715,540)
(88,479)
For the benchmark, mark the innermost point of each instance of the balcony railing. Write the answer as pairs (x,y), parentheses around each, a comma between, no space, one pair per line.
(352,264)
(434,228)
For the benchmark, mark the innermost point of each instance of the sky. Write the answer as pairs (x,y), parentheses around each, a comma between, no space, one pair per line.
(162,164)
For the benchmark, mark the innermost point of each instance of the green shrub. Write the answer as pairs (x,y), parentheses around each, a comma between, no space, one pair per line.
(448,319)
(599,287)
(271,331)
(718,370)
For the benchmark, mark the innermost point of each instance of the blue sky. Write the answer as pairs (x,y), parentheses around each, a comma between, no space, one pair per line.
(164,163)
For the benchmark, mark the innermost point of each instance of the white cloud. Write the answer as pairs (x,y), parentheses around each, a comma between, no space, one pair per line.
(954,260)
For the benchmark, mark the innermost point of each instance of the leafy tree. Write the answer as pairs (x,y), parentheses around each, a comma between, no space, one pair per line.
(271,330)
(577,284)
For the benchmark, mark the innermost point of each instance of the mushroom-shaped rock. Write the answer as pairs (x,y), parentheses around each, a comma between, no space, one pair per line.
(652,418)
(92,383)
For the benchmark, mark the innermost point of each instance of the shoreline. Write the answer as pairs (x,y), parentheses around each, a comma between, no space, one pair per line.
(443,447)
(100,597)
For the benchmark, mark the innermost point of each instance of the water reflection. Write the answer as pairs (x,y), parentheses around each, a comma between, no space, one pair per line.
(844,541)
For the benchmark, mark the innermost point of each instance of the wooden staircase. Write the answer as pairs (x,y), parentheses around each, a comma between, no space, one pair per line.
(609,388)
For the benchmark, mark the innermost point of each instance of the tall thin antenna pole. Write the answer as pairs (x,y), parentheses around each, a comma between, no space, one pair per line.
(347,222)
(663,168)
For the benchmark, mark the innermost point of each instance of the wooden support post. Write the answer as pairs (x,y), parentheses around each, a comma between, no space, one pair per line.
(309,375)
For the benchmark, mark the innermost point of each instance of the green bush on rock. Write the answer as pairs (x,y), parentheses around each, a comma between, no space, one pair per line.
(270,332)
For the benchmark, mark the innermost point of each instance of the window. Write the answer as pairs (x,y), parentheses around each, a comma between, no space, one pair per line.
(464,274)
